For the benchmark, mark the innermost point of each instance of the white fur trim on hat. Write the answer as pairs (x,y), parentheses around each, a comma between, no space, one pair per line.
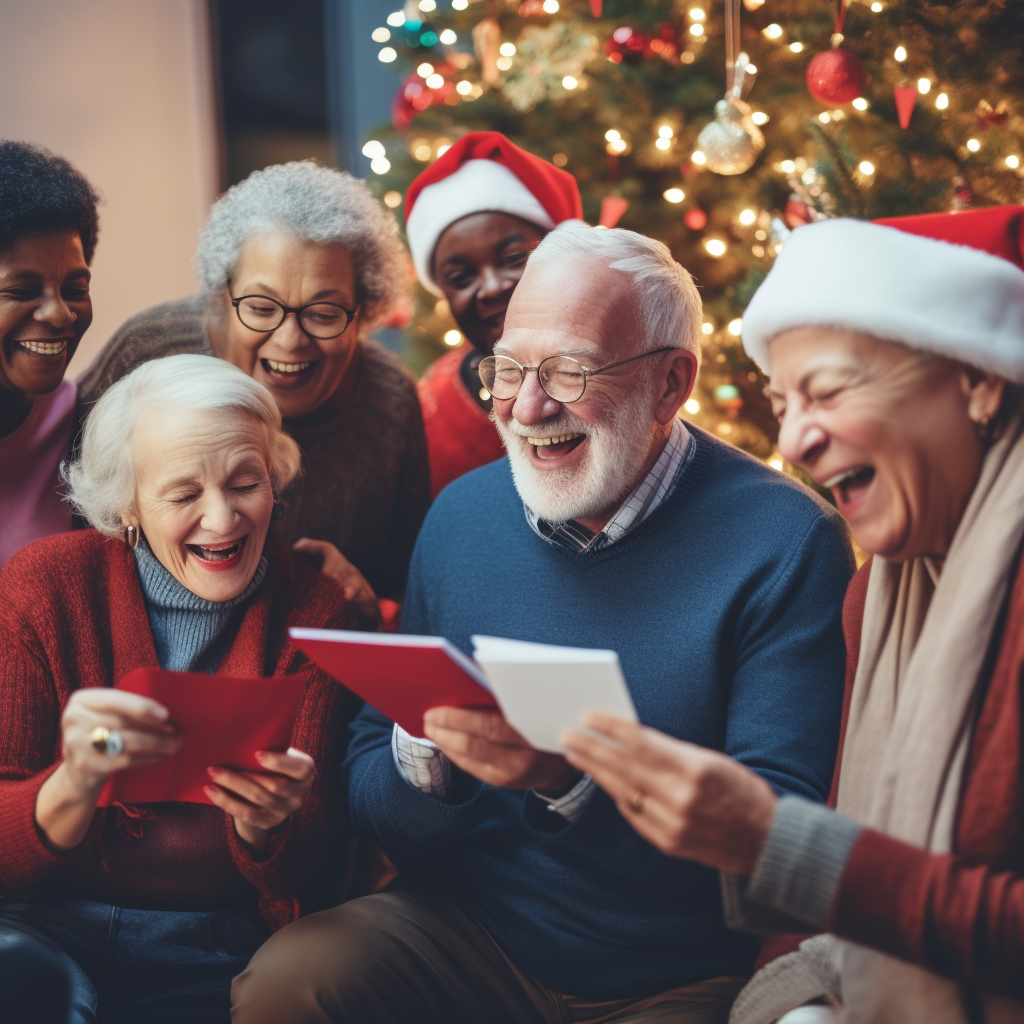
(478,186)
(953,300)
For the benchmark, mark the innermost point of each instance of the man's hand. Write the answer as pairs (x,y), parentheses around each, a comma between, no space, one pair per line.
(686,800)
(485,745)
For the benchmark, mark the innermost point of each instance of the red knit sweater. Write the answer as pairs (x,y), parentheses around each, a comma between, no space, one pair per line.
(460,434)
(961,914)
(72,615)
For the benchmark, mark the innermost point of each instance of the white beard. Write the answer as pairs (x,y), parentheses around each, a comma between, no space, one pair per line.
(600,482)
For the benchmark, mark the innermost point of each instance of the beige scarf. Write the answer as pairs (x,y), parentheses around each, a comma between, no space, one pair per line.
(914,702)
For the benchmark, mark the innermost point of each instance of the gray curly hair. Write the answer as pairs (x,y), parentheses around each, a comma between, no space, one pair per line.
(101,481)
(316,203)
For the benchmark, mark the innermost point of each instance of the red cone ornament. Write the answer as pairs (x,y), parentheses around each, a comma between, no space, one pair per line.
(612,209)
(906,97)
(835,77)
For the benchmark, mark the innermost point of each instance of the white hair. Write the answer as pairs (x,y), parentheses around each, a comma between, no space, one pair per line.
(317,204)
(669,303)
(101,481)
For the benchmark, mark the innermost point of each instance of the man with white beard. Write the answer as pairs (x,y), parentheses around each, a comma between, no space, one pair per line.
(523,896)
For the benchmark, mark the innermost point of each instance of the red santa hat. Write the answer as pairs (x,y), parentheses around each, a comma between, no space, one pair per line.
(949,283)
(482,173)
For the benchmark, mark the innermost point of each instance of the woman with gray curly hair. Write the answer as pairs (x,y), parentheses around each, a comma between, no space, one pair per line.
(297,262)
(179,467)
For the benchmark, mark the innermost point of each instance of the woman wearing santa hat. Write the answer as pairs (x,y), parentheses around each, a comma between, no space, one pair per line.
(472,219)
(896,355)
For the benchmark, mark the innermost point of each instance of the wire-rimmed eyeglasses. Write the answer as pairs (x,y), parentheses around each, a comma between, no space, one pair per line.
(323,320)
(562,378)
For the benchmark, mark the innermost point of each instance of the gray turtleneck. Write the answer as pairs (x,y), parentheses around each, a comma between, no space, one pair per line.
(190,634)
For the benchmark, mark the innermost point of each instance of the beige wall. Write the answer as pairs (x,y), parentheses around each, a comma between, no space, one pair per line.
(123,89)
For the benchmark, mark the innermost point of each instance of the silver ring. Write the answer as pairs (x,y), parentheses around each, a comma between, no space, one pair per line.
(107,741)
(115,743)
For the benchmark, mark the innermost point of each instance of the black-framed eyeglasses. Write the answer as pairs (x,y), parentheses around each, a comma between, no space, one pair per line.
(562,378)
(323,320)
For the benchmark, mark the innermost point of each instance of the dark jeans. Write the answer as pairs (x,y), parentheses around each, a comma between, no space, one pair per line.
(70,961)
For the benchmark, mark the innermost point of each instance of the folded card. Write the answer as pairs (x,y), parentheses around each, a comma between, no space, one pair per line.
(223,720)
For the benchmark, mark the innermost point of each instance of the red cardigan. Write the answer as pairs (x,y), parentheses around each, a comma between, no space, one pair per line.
(72,615)
(960,915)
(460,434)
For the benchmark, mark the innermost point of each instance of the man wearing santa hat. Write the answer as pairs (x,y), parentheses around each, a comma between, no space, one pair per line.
(472,219)
(524,895)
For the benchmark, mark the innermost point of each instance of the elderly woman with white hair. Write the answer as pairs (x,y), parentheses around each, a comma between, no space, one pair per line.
(896,356)
(150,910)
(297,263)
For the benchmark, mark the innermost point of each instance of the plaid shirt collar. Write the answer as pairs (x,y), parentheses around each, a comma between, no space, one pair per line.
(641,502)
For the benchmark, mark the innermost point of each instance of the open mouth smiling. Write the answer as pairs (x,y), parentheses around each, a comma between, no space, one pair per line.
(288,374)
(851,480)
(219,555)
(554,446)
(44,348)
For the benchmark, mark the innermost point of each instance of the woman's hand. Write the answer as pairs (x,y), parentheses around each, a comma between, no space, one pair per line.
(686,800)
(339,568)
(67,800)
(260,801)
(142,723)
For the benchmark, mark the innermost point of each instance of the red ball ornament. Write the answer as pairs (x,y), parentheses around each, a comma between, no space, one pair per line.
(695,219)
(835,77)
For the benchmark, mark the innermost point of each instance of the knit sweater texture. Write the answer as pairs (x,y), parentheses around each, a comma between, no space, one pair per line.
(725,609)
(72,615)
(190,634)
(365,485)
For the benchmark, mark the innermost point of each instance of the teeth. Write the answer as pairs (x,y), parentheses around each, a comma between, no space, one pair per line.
(44,348)
(287,367)
(540,442)
(217,554)
(840,478)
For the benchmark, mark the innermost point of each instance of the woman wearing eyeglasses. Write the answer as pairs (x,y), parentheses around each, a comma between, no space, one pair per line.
(297,263)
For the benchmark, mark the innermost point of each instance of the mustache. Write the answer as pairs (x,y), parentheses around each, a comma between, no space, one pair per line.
(564,423)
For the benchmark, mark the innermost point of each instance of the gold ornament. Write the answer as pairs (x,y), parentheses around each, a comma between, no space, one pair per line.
(486,40)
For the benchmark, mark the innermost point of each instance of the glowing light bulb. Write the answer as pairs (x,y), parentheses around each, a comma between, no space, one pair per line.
(452,338)
(422,152)
(698,158)
(425,70)
(448,37)
(503,63)
(665,132)
(663,144)
(380,35)
(396,19)
(692,406)
(696,14)
(715,247)
(759,117)
(776,462)
(697,30)
(924,86)
(618,146)
(381,165)
(549,6)
(612,135)
(441,150)
(747,217)
(569,82)
(1013,162)
(941,101)
(876,7)
(751,69)
(459,5)
(796,47)
(428,5)
(373,149)
(788,166)
(392,199)
(773,31)
(674,195)
(735,327)
(435,81)
(464,88)
(507,49)
(866,167)
(973,145)
(900,54)
(387,55)
(824,117)
(860,103)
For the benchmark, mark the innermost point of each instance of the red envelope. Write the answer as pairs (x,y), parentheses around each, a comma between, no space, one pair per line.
(222,719)
(401,676)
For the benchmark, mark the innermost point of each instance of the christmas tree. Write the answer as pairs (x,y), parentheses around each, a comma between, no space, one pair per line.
(885,108)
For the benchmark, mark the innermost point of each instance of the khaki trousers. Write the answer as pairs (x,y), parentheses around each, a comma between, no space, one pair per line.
(416,957)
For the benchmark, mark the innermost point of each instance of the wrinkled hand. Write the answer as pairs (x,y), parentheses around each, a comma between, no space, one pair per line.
(693,802)
(485,745)
(143,726)
(260,801)
(339,568)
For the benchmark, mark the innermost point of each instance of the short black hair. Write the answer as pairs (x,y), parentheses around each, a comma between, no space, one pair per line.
(40,191)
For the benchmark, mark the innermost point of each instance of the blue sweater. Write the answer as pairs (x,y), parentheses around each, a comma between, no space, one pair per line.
(725,608)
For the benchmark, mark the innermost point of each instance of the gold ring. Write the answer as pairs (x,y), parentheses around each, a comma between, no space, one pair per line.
(99,738)
(636,801)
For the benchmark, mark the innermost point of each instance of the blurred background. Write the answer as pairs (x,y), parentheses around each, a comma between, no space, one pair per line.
(865,108)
